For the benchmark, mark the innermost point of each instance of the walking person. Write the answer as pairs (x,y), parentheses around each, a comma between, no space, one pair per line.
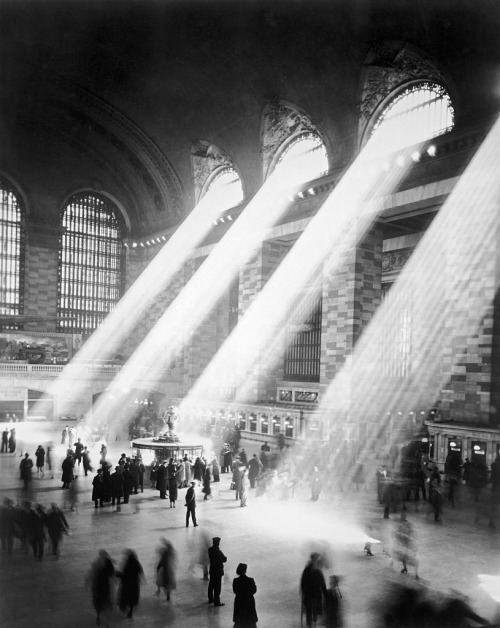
(49,461)
(313,588)
(116,488)
(100,580)
(216,571)
(405,549)
(12,441)
(172,485)
(57,526)
(72,495)
(86,461)
(5,440)
(166,568)
(191,505)
(97,489)
(130,582)
(244,588)
(67,471)
(162,479)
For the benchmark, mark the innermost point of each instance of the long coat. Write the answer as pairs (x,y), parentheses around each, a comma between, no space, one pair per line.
(130,586)
(101,572)
(244,613)
(67,470)
(313,587)
(97,487)
(116,484)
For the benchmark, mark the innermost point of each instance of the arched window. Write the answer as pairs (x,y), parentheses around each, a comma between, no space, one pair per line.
(11,253)
(303,159)
(90,263)
(419,113)
(224,189)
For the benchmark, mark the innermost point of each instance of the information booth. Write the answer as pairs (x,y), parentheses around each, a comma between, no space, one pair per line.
(164,448)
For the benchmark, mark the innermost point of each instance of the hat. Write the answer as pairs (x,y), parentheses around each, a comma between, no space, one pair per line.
(216,539)
(193,483)
(241,569)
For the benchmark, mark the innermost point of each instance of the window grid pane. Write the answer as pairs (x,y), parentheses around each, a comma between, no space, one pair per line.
(303,160)
(419,113)
(225,190)
(90,264)
(11,254)
(302,358)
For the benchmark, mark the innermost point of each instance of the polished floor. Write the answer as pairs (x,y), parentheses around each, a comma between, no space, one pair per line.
(273,537)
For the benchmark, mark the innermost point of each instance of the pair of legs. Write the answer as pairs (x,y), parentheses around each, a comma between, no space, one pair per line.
(191,512)
(214,588)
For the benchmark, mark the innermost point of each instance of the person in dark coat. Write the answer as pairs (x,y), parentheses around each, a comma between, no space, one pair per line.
(254,467)
(99,578)
(166,568)
(5,440)
(198,470)
(217,560)
(206,484)
(216,470)
(78,451)
(452,469)
(57,525)
(106,484)
(244,588)
(12,440)
(40,459)
(25,467)
(36,532)
(130,582)
(116,488)
(191,505)
(161,480)
(142,470)
(134,476)
(97,489)
(7,518)
(172,486)
(86,461)
(67,471)
(243,457)
(313,588)
(127,482)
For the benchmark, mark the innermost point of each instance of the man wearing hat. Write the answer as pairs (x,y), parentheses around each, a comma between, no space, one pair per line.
(191,505)
(217,560)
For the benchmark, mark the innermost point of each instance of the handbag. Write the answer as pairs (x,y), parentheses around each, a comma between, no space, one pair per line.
(232,487)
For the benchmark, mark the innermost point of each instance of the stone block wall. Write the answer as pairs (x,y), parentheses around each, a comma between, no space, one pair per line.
(41,279)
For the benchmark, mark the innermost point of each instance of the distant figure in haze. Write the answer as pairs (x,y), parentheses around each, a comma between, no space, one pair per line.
(100,580)
(404,544)
(313,588)
(97,489)
(67,471)
(86,461)
(130,576)
(206,484)
(49,460)
(244,588)
(316,484)
(245,486)
(166,568)
(5,440)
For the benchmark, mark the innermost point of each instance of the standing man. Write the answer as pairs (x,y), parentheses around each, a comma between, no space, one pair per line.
(217,560)
(25,470)
(5,440)
(191,505)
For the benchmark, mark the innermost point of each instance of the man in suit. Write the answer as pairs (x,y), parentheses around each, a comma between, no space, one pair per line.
(191,505)
(217,560)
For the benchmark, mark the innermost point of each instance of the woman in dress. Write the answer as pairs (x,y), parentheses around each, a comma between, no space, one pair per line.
(244,588)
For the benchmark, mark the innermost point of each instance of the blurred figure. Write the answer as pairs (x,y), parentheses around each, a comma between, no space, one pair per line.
(71,497)
(404,546)
(245,485)
(97,489)
(333,614)
(166,568)
(50,461)
(200,554)
(67,470)
(206,485)
(452,467)
(25,467)
(57,525)
(130,582)
(7,518)
(244,588)
(5,440)
(40,459)
(36,532)
(316,484)
(313,588)
(86,461)
(100,580)
(12,440)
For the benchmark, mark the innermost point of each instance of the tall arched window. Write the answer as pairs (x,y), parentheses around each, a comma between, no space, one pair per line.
(224,189)
(303,159)
(90,263)
(11,252)
(419,113)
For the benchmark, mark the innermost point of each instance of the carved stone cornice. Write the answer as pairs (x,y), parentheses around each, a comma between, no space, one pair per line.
(388,66)
(281,121)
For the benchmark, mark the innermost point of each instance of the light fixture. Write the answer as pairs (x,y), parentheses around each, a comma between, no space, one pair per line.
(432,151)
(400,160)
(134,245)
(312,191)
(415,156)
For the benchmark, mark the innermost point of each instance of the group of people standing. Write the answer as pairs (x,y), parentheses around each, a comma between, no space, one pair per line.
(9,441)
(113,487)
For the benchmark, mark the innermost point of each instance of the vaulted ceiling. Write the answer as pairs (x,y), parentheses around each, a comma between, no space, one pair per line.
(109,95)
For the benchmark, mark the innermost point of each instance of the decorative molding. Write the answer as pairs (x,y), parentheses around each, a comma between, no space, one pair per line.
(390,65)
(281,121)
(394,261)
(205,159)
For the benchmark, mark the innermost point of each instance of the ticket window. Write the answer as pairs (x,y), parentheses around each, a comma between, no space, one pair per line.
(289,427)
(253,423)
(243,421)
(455,444)
(264,426)
(478,449)
(276,425)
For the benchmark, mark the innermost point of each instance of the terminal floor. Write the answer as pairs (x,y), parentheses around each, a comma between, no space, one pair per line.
(274,539)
